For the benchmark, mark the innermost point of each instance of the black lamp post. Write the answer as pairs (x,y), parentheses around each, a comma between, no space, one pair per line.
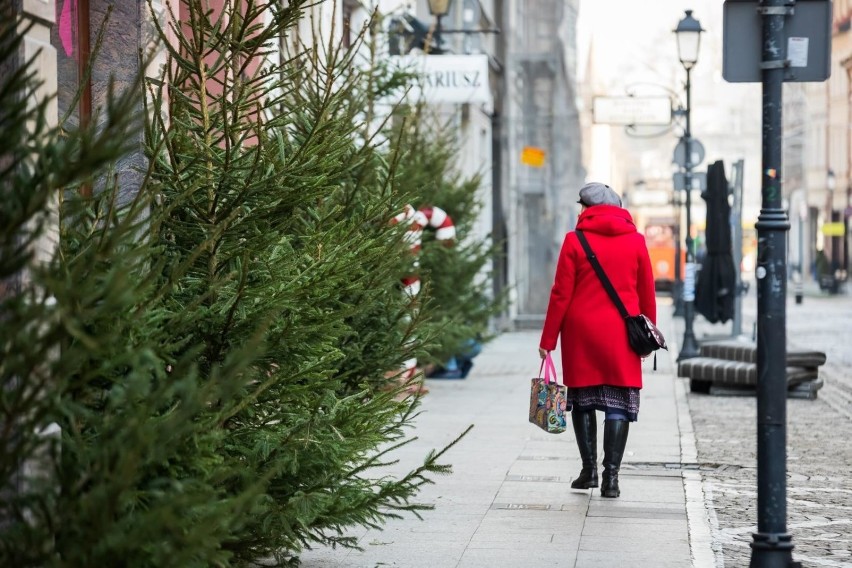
(677,285)
(772,545)
(833,257)
(439,9)
(688,34)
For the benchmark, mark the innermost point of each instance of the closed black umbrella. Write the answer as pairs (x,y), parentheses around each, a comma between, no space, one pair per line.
(716,286)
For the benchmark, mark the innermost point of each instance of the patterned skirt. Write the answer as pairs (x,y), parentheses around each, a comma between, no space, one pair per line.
(605,398)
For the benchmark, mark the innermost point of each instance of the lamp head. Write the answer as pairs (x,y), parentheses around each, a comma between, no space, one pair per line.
(688,34)
(439,7)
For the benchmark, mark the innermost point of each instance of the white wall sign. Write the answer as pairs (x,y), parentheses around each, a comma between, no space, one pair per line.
(632,110)
(448,78)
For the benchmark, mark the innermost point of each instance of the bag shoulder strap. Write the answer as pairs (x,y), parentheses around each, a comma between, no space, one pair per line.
(601,274)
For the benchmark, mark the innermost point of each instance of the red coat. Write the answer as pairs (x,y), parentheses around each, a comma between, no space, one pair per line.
(594,337)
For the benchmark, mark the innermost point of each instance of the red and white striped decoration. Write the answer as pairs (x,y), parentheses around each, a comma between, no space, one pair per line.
(418,220)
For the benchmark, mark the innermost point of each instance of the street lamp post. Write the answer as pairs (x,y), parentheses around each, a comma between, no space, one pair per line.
(688,34)
(772,545)
(831,241)
(439,9)
(677,285)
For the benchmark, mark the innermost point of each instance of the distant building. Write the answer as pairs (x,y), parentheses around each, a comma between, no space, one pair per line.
(539,114)
(817,158)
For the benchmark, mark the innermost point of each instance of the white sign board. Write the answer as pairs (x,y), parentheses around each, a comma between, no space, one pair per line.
(797,51)
(448,78)
(699,181)
(632,110)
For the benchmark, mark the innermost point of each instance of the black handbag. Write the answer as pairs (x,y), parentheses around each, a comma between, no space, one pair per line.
(644,337)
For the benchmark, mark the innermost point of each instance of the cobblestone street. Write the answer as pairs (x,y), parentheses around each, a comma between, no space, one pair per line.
(819,489)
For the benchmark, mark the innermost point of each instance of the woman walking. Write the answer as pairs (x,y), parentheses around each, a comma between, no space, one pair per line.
(600,369)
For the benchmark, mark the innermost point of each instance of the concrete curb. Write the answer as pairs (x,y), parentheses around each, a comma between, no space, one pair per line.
(698,510)
(701,519)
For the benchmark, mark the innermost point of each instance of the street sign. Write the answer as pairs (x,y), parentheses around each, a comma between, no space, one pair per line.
(699,181)
(532,156)
(632,110)
(447,78)
(807,29)
(689,282)
(696,148)
(835,229)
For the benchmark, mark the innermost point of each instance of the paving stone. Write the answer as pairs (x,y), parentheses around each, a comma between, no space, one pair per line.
(819,481)
(638,541)
(558,557)
(638,527)
(619,557)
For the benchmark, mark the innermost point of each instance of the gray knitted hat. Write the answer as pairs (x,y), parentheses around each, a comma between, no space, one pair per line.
(595,193)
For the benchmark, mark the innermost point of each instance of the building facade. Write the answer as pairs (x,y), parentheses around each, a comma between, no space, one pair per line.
(527,205)
(530,48)
(38,17)
(817,158)
(539,114)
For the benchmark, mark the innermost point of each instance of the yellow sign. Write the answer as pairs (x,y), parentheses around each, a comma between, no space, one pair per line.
(832,229)
(532,156)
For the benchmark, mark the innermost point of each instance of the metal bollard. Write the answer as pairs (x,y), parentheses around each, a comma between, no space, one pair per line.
(798,287)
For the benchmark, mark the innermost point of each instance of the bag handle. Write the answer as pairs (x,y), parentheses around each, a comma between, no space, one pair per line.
(549,369)
(593,260)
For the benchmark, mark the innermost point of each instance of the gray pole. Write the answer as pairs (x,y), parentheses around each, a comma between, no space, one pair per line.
(689,348)
(737,239)
(772,546)
(799,274)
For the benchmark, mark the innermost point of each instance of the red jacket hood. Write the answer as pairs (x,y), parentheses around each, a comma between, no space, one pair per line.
(606,220)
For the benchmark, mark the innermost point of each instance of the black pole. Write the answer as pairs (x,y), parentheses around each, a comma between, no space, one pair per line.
(689,348)
(439,49)
(799,280)
(772,547)
(677,285)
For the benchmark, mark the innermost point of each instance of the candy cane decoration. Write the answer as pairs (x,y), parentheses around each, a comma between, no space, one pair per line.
(418,220)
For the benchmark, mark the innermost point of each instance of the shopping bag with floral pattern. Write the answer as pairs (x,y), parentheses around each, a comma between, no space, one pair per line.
(548,400)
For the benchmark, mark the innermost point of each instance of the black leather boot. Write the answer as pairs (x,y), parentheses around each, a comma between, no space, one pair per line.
(586,433)
(615,439)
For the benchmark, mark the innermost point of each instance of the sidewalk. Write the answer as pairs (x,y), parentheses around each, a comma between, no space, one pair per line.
(509,503)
